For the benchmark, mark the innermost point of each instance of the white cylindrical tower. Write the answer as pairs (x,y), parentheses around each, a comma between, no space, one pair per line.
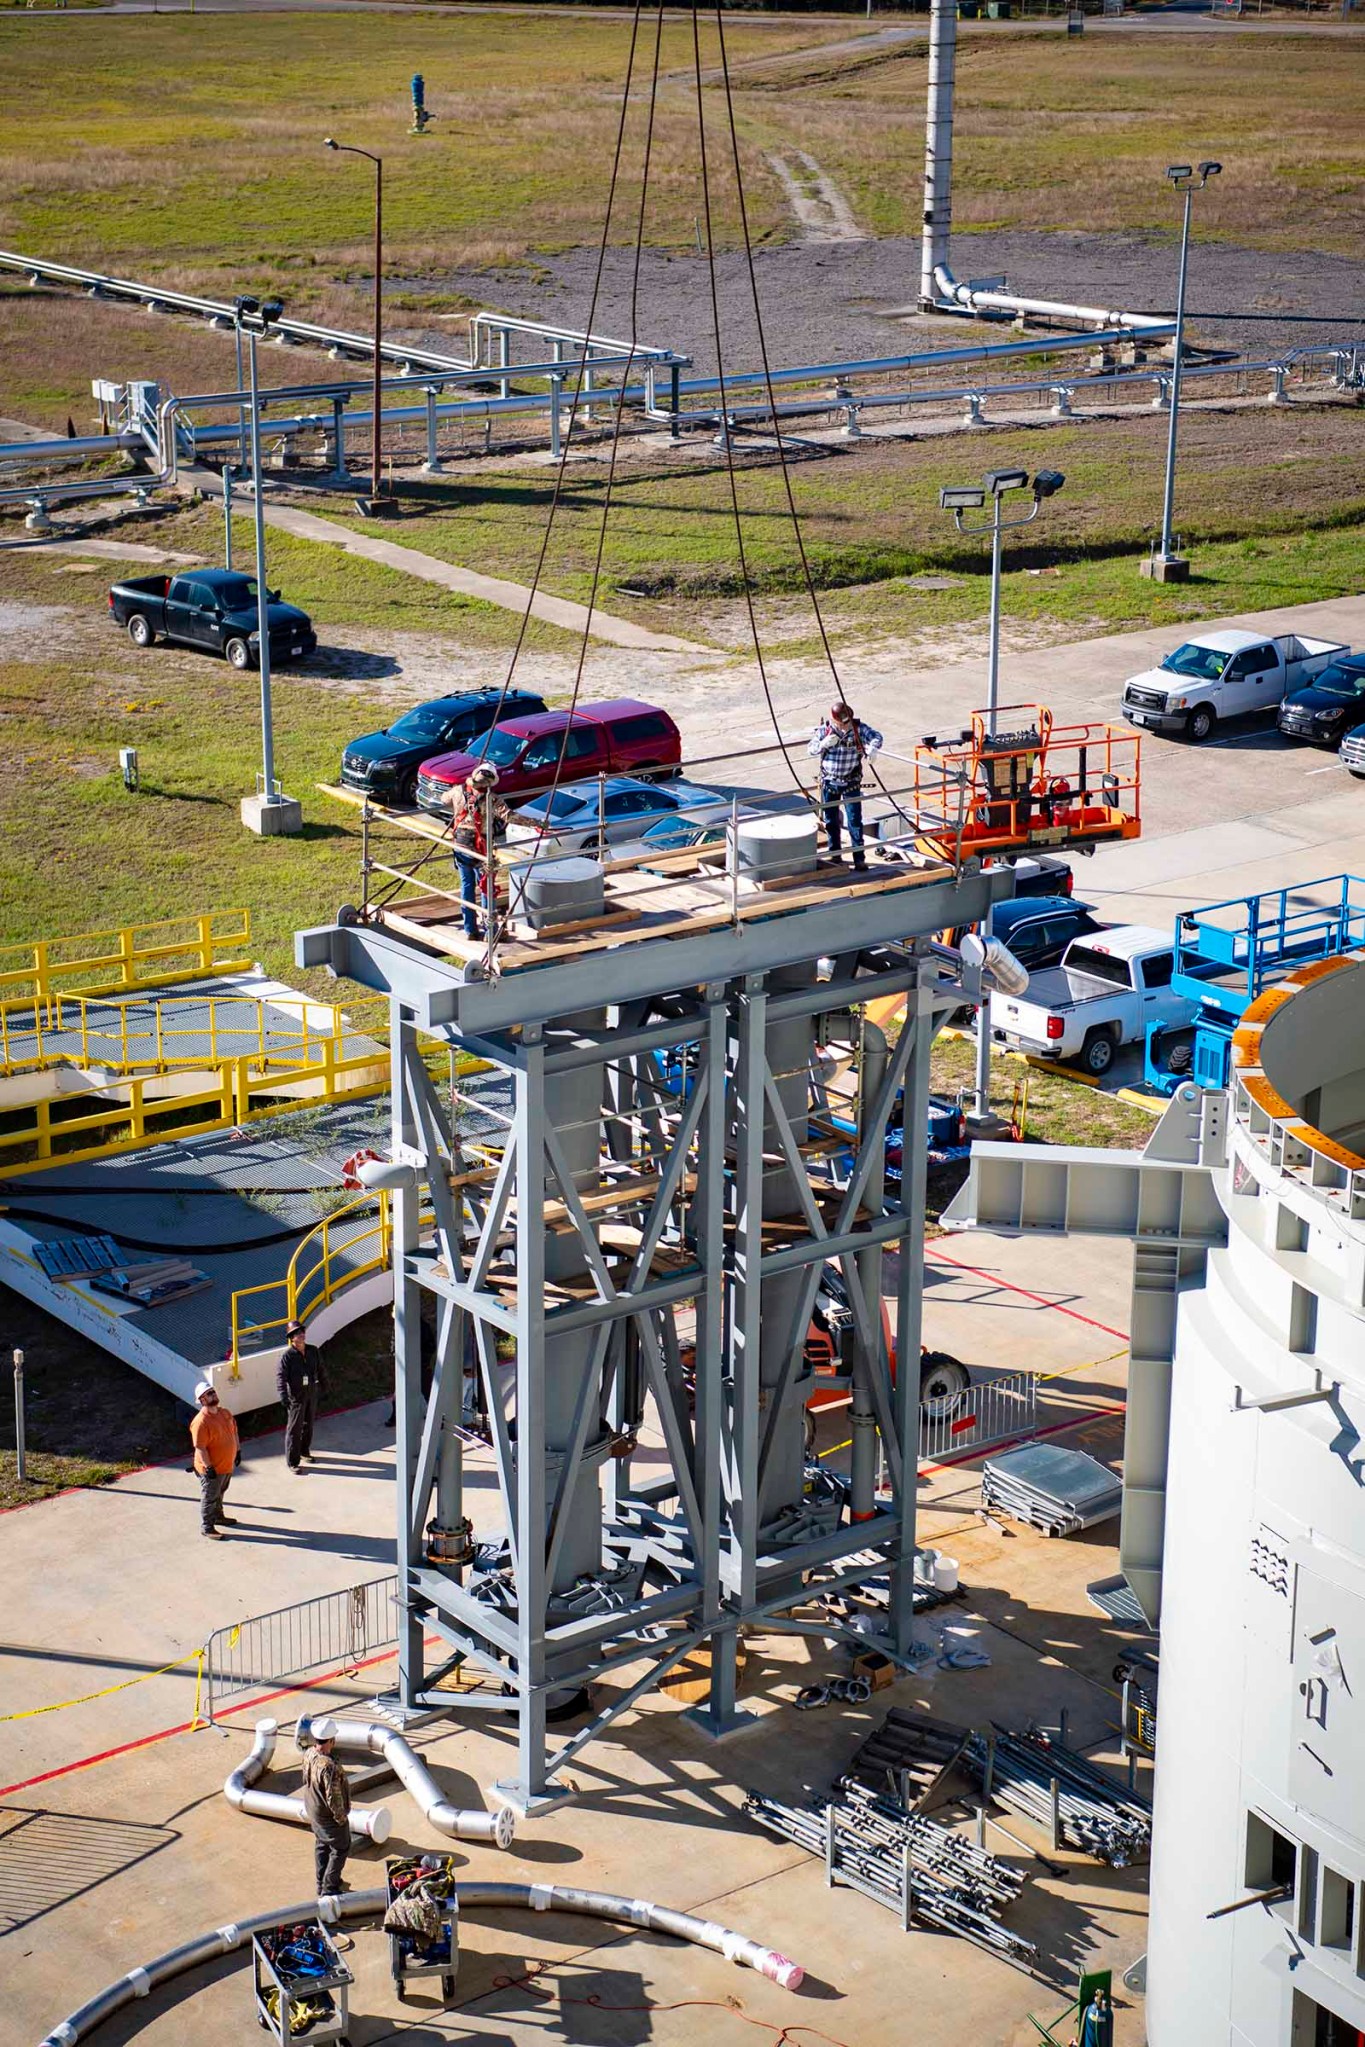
(1260,1785)
(938,147)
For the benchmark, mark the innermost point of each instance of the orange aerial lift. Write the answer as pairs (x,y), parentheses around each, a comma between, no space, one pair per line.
(1028,785)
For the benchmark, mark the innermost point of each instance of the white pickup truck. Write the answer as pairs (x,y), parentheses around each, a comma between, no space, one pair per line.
(1110,985)
(1223,675)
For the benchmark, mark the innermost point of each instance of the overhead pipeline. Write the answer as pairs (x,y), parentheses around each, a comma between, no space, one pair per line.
(226,1940)
(366,1825)
(373,1737)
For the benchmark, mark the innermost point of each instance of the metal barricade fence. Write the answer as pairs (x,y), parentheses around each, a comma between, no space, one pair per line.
(338,1630)
(991,1411)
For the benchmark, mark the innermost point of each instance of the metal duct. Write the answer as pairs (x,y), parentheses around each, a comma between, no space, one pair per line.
(372,1737)
(371,1825)
(226,1940)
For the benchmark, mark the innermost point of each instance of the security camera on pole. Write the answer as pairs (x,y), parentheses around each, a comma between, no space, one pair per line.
(996,487)
(269,813)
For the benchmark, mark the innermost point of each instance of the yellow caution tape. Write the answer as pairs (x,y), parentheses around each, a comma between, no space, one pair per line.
(59,1706)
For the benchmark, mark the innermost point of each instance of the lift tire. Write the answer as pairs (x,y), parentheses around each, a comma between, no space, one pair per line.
(140,631)
(237,654)
(1200,723)
(447,1989)
(1180,1059)
(944,1383)
(1097,1053)
(400,1990)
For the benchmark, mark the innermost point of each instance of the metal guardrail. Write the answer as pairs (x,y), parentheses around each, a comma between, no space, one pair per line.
(316,1274)
(992,1411)
(176,1035)
(131,956)
(337,1631)
(155,1119)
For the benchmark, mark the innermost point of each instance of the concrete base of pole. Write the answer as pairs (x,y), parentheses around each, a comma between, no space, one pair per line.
(280,819)
(376,508)
(1165,568)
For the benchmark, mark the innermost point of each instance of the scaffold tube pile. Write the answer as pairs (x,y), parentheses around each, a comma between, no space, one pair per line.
(918,1868)
(1094,1813)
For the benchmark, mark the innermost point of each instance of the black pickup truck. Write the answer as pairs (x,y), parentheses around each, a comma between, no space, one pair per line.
(211,608)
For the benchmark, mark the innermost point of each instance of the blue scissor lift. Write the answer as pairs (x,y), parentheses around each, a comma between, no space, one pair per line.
(1227,953)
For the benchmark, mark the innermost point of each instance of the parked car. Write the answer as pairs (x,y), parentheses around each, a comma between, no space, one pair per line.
(617,811)
(1223,675)
(1106,991)
(1038,929)
(619,738)
(1353,753)
(214,609)
(1333,702)
(1040,874)
(385,763)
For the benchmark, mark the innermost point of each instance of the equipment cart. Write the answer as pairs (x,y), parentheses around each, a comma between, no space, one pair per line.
(295,1969)
(409,1954)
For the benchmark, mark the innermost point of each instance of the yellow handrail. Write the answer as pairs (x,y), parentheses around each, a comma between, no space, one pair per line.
(302,1300)
(116,958)
(26,1046)
(139,1122)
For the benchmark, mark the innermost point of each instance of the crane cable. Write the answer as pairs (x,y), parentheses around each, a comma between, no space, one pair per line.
(550,794)
(534,589)
(794,515)
(720,373)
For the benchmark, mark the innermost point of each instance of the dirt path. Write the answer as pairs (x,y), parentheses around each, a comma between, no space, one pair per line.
(815,199)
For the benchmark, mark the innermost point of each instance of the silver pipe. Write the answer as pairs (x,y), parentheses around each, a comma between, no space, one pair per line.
(862,1470)
(226,1940)
(369,1825)
(372,1737)
(61,448)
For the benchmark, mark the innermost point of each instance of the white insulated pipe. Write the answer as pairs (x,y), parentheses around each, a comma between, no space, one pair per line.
(971,300)
(938,149)
(355,1905)
(373,1737)
(375,1824)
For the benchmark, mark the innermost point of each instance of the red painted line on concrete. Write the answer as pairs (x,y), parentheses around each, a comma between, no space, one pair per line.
(980,1272)
(1013,1442)
(189,1726)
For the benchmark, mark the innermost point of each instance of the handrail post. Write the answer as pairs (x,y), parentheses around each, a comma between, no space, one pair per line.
(206,942)
(127,957)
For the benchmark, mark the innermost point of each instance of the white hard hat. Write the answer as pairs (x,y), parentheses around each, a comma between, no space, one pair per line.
(486,775)
(202,1388)
(324,1729)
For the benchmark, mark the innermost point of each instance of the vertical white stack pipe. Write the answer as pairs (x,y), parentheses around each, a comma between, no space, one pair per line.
(938,147)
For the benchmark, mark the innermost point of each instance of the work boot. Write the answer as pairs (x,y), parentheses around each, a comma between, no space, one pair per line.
(213,1534)
(226,1521)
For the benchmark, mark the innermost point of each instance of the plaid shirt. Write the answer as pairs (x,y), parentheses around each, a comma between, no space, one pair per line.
(841,750)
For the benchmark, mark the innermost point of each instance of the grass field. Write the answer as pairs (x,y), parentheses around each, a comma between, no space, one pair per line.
(153,165)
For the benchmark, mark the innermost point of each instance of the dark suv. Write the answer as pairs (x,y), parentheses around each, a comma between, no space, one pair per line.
(384,764)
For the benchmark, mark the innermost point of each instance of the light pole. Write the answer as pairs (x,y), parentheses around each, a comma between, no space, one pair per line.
(253,317)
(20,1465)
(377,503)
(1166,566)
(996,486)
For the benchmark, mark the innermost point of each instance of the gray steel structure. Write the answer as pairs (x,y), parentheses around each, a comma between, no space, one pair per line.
(615,1202)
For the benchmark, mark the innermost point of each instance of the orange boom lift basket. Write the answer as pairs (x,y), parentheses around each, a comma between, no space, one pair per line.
(1034,784)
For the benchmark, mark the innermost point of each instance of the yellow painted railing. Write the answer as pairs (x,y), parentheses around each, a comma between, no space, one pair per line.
(128,957)
(315,1277)
(47,1138)
(87,1030)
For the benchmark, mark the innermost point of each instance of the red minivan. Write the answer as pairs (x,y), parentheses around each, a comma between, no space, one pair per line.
(619,738)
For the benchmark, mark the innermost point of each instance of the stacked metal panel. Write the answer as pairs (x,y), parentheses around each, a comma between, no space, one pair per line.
(1057,1490)
(931,1876)
(1092,1812)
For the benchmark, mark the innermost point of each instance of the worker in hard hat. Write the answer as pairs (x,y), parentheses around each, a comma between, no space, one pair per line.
(327,1802)
(298,1381)
(473,807)
(213,1433)
(841,743)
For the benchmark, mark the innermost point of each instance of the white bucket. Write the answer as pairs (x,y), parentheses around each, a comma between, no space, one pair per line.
(945,1573)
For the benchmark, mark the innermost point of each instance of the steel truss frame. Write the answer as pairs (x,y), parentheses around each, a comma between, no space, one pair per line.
(616,1201)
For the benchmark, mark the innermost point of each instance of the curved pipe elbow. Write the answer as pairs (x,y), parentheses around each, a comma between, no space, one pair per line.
(374,1823)
(372,1737)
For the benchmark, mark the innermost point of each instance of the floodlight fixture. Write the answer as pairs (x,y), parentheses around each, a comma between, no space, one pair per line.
(1209,170)
(968,500)
(998,481)
(1047,483)
(1179,172)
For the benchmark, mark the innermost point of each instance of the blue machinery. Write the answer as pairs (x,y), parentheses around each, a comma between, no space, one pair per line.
(1226,954)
